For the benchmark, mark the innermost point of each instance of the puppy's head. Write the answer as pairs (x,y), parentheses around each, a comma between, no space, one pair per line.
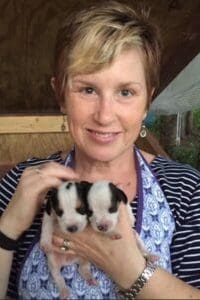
(68,204)
(103,205)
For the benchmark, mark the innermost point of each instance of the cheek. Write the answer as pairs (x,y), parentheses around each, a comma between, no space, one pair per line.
(77,114)
(114,218)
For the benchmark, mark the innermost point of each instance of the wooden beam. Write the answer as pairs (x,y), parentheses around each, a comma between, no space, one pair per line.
(183,53)
(32,124)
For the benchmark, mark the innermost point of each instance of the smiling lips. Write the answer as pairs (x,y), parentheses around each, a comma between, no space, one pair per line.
(103,136)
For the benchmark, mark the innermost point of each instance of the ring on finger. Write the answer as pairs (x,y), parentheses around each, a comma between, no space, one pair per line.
(65,246)
(38,171)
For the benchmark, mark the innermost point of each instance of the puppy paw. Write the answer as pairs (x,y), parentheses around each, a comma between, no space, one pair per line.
(92,281)
(153,258)
(115,236)
(46,247)
(64,294)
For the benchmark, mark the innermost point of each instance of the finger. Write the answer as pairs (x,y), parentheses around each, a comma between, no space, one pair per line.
(59,242)
(71,254)
(55,169)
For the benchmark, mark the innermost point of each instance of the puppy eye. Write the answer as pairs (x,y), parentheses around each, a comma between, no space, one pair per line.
(89,213)
(81,210)
(59,212)
(112,209)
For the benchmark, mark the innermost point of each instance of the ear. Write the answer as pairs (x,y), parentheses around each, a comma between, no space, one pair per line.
(63,109)
(145,115)
(83,189)
(55,202)
(50,201)
(152,91)
(122,196)
(118,193)
(48,206)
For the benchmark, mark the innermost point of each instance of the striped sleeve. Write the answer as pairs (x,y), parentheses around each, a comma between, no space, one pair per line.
(186,242)
(8,185)
(181,185)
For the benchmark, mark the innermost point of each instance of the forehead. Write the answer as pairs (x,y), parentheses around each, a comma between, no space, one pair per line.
(100,196)
(68,195)
(126,67)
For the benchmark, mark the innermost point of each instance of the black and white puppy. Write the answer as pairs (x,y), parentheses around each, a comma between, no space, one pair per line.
(103,200)
(66,212)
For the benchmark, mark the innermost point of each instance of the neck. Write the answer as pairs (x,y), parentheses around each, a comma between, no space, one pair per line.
(121,171)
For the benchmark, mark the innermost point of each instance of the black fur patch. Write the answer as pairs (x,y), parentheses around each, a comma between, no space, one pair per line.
(117,196)
(55,203)
(48,207)
(82,190)
(68,185)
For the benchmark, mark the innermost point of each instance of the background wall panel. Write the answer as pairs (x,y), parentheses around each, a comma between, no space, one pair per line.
(27,35)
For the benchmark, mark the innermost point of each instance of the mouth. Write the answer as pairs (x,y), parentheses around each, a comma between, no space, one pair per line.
(103,137)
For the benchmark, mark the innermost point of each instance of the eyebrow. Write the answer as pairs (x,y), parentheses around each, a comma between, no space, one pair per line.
(89,82)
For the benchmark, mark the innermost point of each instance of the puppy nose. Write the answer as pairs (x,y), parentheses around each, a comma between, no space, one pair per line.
(102,227)
(72,228)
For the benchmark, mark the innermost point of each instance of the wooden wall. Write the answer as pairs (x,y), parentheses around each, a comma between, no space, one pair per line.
(27,35)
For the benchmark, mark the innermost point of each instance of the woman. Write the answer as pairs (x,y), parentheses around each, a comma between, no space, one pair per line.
(106,71)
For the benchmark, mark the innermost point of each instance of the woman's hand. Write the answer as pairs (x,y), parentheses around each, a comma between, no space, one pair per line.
(30,194)
(120,259)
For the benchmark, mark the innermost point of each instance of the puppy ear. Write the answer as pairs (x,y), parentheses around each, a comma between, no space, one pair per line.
(83,188)
(51,199)
(119,194)
(54,203)
(122,196)
(48,206)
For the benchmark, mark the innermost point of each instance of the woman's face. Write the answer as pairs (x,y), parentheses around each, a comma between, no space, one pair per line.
(105,109)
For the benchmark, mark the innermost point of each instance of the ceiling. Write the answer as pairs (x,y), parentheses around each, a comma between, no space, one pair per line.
(179,22)
(29,27)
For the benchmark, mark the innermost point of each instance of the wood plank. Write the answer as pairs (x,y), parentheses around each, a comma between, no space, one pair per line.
(32,124)
(19,147)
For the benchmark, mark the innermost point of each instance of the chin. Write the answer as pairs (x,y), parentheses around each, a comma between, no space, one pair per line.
(104,156)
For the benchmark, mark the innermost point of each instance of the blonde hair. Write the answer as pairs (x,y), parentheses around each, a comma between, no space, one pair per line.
(89,40)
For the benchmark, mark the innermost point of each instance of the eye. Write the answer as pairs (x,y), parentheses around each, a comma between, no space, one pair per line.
(88,90)
(59,212)
(112,209)
(126,93)
(89,213)
(81,210)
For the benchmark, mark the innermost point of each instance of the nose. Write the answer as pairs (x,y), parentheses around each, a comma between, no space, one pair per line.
(72,228)
(105,110)
(102,227)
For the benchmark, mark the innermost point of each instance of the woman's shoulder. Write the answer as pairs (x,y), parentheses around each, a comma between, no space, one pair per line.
(170,168)
(33,161)
(181,186)
(13,175)
(57,157)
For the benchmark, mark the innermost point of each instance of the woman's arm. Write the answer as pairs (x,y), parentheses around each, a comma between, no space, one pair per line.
(5,263)
(6,257)
(163,285)
(24,205)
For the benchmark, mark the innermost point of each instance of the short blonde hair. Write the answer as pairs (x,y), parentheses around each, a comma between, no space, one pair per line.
(89,40)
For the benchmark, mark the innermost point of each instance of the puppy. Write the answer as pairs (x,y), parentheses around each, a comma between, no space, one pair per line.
(65,211)
(103,199)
